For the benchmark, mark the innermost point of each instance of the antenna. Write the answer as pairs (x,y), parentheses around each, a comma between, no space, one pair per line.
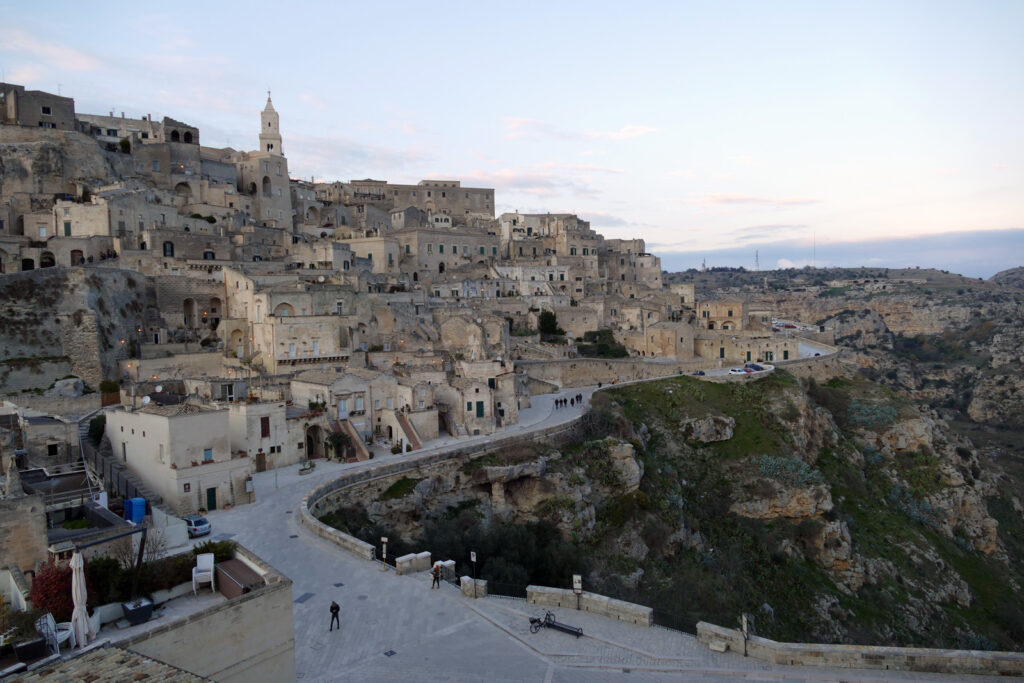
(757,260)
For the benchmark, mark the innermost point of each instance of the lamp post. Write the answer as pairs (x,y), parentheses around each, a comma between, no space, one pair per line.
(384,552)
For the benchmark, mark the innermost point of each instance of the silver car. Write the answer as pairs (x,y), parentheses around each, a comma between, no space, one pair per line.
(197,525)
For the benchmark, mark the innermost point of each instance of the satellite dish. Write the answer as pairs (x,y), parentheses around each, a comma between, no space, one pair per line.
(159,388)
(146,400)
(321,279)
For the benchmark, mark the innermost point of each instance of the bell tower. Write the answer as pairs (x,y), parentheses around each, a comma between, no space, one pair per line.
(270,132)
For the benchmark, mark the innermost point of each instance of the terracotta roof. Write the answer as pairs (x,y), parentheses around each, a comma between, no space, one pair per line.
(110,665)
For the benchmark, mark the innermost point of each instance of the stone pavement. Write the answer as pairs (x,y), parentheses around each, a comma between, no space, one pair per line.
(394,628)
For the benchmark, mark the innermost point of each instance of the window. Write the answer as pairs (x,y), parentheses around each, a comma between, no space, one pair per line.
(408,248)
(47,112)
(494,251)
(207,455)
(112,132)
(730,313)
(67,228)
(430,249)
(440,248)
(47,124)
(51,449)
(481,251)
(469,406)
(186,487)
(721,352)
(785,354)
(359,403)
(264,427)
(421,404)
(390,403)
(376,404)
(156,165)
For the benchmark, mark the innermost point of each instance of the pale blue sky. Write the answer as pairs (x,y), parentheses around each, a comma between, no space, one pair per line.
(707,128)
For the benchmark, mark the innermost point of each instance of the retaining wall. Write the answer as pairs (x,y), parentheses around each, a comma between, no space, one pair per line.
(866,656)
(591,602)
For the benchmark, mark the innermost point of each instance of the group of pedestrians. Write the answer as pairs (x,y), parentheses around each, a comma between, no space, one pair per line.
(571,401)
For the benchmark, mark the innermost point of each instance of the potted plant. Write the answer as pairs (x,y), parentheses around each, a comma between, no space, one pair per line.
(137,610)
(28,644)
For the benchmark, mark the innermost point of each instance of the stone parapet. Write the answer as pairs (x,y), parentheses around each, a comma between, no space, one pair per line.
(473,588)
(406,564)
(591,602)
(338,538)
(973,662)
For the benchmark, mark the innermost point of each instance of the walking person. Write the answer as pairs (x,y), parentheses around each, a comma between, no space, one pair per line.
(435,574)
(335,609)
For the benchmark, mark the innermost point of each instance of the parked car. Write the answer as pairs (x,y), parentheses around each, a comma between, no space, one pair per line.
(754,366)
(737,371)
(197,525)
(698,373)
(789,326)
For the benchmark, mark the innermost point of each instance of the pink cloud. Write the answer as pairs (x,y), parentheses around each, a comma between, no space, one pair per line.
(26,44)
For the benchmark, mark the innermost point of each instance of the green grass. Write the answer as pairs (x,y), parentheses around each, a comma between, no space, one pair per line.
(400,489)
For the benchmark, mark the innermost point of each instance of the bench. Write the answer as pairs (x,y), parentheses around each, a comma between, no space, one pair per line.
(235,578)
(549,621)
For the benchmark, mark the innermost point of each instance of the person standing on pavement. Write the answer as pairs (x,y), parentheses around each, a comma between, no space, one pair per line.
(335,609)
(435,574)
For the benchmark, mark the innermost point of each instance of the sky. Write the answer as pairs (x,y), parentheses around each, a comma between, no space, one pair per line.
(806,133)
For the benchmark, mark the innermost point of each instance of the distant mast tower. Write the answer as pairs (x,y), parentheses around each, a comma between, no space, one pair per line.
(757,260)
(270,129)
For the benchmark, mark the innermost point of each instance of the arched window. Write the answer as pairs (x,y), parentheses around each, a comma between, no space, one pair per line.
(209,255)
(266,186)
(47,260)
(169,249)
(175,137)
(188,137)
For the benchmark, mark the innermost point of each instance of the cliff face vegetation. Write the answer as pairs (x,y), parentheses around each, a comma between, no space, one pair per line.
(832,512)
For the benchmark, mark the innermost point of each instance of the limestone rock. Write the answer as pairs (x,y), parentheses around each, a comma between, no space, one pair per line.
(709,429)
(629,467)
(67,388)
(788,503)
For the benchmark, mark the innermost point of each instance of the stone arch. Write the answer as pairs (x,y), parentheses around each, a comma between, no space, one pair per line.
(47,260)
(314,442)
(169,249)
(187,137)
(77,257)
(284,310)
(216,308)
(252,189)
(190,313)
(313,215)
(266,186)
(238,343)
(175,136)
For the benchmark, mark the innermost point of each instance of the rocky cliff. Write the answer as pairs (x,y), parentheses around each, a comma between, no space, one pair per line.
(836,512)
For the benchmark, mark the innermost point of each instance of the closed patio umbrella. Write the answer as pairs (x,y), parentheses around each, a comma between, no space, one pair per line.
(80,616)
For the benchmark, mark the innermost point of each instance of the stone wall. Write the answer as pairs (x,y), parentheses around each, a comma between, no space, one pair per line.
(23,530)
(821,368)
(590,602)
(251,637)
(579,372)
(18,376)
(864,656)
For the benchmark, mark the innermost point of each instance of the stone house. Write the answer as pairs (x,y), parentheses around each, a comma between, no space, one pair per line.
(183,453)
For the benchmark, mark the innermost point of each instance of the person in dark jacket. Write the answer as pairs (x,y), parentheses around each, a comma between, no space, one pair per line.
(335,609)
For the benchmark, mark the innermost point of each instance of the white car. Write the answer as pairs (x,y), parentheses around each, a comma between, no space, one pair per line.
(737,371)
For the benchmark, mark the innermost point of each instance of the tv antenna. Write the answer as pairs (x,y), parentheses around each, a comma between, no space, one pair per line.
(757,260)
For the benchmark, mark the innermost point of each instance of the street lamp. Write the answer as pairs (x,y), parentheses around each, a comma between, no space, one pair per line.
(384,552)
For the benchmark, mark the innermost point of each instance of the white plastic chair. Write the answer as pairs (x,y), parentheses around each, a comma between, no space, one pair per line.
(203,571)
(55,633)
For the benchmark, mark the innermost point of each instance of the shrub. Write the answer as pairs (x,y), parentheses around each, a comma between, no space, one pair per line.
(870,414)
(103,576)
(789,470)
(222,550)
(51,591)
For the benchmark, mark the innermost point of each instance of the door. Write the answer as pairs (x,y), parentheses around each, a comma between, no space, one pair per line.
(479,408)
(261,462)
(291,350)
(211,499)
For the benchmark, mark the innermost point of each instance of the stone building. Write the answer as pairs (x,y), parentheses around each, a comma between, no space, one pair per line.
(35,108)
(183,453)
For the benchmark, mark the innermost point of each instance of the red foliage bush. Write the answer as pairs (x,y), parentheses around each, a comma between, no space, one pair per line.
(51,591)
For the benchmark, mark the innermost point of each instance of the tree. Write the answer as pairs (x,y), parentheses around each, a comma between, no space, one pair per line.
(339,442)
(548,323)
